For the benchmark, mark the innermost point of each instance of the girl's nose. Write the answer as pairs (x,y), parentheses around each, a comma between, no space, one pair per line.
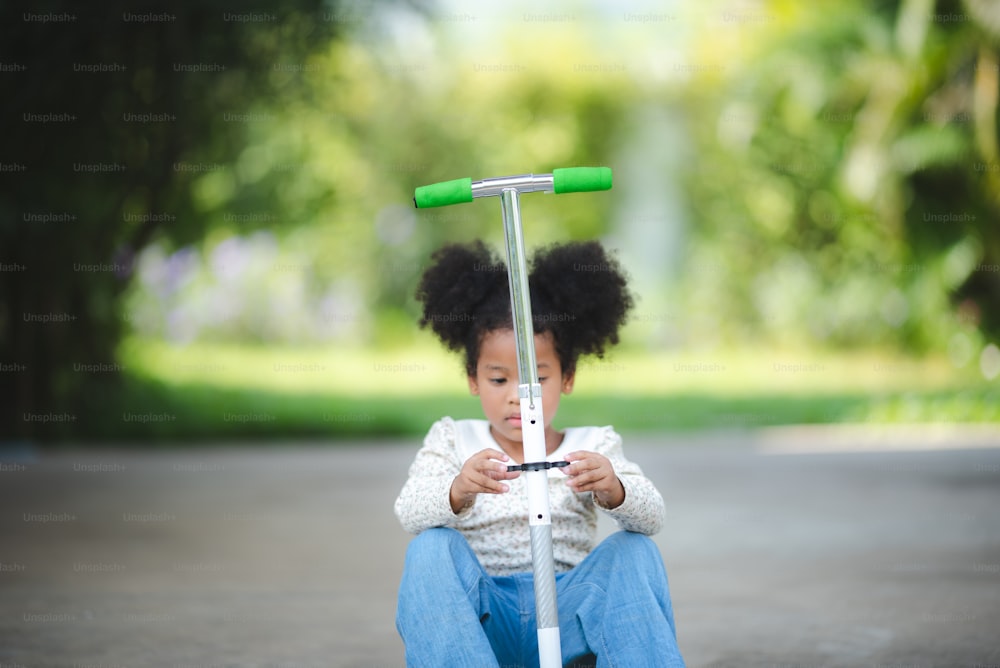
(512,394)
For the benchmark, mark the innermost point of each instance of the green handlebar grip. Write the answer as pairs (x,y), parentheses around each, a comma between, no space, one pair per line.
(443,194)
(581,179)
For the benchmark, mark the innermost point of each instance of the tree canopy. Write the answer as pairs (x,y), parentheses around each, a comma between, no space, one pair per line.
(822,174)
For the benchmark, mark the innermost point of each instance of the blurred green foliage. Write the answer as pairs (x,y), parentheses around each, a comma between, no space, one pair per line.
(125,126)
(788,175)
(838,167)
(848,174)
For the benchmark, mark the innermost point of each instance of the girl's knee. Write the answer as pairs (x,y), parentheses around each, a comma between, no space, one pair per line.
(631,541)
(635,548)
(436,538)
(435,546)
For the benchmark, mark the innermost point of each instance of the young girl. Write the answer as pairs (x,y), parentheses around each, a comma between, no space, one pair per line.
(466,598)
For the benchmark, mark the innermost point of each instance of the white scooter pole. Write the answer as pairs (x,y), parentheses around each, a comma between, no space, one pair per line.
(508,188)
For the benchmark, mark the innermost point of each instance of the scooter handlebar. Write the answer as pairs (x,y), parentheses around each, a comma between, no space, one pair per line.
(563,180)
(581,179)
(443,194)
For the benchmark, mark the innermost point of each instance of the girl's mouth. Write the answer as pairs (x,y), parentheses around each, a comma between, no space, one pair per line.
(515,420)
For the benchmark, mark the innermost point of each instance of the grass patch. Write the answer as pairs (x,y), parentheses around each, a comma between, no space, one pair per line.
(152,411)
(427,368)
(224,393)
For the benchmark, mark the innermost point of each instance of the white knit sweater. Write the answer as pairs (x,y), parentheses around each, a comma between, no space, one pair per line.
(496,525)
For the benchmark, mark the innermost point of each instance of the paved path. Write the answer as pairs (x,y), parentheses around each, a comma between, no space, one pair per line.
(784,548)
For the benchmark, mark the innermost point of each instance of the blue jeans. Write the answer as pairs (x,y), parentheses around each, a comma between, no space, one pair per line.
(615,604)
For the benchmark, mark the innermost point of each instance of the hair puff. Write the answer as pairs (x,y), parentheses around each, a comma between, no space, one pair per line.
(579,294)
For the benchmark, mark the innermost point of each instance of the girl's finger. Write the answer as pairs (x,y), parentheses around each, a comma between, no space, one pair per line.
(581,467)
(491,486)
(588,479)
(580,481)
(500,472)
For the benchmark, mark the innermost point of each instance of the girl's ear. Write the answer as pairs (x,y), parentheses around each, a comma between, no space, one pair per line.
(473,386)
(567,382)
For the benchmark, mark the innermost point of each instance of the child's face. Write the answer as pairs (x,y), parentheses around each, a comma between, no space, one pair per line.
(496,382)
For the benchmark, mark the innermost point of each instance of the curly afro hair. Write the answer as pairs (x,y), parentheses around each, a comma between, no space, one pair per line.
(579,294)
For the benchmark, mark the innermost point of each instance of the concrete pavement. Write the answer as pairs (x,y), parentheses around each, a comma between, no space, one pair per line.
(785,547)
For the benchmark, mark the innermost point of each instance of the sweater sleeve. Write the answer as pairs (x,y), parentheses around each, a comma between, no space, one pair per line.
(642,510)
(423,502)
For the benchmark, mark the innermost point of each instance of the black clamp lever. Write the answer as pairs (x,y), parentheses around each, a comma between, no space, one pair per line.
(536,466)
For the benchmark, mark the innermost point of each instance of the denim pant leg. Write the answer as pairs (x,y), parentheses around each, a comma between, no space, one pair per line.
(443,597)
(616,605)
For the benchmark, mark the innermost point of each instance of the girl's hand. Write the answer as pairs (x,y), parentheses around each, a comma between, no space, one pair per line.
(481,474)
(591,472)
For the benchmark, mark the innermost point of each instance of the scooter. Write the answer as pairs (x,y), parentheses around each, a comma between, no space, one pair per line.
(509,189)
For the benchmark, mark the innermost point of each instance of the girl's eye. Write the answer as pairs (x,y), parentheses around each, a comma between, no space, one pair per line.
(542,379)
(498,381)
